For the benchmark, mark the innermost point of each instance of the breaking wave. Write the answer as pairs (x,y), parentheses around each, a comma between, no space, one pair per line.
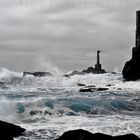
(16,80)
(48,106)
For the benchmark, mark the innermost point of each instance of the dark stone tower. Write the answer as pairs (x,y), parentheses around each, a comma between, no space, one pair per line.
(136,50)
(138,29)
(98,65)
(98,68)
(131,70)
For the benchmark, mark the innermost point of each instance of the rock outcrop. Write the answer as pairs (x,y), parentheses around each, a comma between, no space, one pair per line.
(85,135)
(37,74)
(8,131)
(98,67)
(92,89)
(131,70)
(90,70)
(94,70)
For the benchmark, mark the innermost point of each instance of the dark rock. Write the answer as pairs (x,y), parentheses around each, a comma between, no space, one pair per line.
(92,89)
(47,112)
(8,131)
(76,135)
(119,88)
(131,70)
(94,70)
(113,72)
(37,74)
(89,70)
(6,137)
(2,83)
(85,135)
(109,85)
(66,75)
(127,136)
(35,112)
(102,89)
(80,85)
(87,89)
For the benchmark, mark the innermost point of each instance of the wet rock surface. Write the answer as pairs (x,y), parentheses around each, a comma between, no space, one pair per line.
(85,135)
(8,131)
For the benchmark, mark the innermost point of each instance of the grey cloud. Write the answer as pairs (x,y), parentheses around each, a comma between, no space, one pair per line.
(66,31)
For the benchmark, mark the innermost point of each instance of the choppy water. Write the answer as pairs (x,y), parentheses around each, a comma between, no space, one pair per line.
(49,106)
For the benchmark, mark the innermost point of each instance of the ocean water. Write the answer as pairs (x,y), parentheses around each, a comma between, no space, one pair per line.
(48,106)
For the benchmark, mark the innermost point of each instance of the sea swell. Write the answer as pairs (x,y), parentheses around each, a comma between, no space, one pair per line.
(48,106)
(68,103)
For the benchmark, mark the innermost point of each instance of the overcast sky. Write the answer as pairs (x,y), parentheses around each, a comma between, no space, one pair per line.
(65,34)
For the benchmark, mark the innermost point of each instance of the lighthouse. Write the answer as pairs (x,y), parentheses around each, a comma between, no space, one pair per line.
(98,65)
(98,68)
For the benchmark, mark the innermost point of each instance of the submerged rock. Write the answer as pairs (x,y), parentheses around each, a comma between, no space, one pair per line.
(8,131)
(85,135)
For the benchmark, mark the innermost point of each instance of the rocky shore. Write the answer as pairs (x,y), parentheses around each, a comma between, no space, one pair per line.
(8,131)
(81,134)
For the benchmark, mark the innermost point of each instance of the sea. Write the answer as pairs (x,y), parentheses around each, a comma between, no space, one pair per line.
(48,106)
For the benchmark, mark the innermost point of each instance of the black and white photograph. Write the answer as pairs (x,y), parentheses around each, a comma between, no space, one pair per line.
(69,69)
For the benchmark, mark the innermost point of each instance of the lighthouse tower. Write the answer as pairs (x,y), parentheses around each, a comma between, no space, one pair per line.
(98,65)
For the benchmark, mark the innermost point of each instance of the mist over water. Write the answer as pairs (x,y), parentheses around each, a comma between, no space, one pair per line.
(48,106)
(44,63)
